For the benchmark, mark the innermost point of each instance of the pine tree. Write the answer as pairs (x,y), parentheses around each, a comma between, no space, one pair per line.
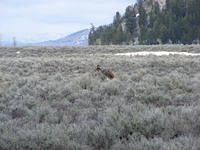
(143,15)
(117,19)
(130,19)
(91,37)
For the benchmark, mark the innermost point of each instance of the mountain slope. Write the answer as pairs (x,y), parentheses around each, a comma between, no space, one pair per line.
(152,22)
(79,38)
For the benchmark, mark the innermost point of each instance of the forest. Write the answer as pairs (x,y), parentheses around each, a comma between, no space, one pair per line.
(177,23)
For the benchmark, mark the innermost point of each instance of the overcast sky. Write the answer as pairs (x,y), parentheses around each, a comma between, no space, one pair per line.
(30,18)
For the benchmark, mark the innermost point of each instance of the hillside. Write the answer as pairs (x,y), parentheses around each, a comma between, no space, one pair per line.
(79,38)
(152,22)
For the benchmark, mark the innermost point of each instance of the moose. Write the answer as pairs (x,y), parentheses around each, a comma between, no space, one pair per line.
(105,72)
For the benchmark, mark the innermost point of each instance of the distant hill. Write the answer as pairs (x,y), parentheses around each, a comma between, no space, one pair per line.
(10,43)
(5,43)
(79,38)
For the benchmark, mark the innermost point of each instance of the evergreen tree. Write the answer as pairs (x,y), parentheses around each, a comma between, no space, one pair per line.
(143,15)
(91,38)
(130,19)
(117,19)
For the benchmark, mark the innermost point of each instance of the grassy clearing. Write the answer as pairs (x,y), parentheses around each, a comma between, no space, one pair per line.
(50,99)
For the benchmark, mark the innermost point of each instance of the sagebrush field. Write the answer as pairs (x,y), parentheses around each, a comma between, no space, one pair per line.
(51,100)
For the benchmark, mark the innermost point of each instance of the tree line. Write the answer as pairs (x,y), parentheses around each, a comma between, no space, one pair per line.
(177,22)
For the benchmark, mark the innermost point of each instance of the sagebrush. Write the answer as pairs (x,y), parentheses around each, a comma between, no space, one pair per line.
(51,99)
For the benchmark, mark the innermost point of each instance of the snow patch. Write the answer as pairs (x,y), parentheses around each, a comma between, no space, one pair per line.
(160,53)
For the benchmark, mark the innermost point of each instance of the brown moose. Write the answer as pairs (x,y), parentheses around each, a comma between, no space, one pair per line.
(106,72)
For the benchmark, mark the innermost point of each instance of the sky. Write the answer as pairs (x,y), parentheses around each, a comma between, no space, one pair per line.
(30,20)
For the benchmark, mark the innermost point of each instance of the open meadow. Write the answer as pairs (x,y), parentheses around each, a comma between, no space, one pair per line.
(51,100)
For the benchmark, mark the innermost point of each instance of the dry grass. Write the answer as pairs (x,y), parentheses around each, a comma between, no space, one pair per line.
(50,99)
